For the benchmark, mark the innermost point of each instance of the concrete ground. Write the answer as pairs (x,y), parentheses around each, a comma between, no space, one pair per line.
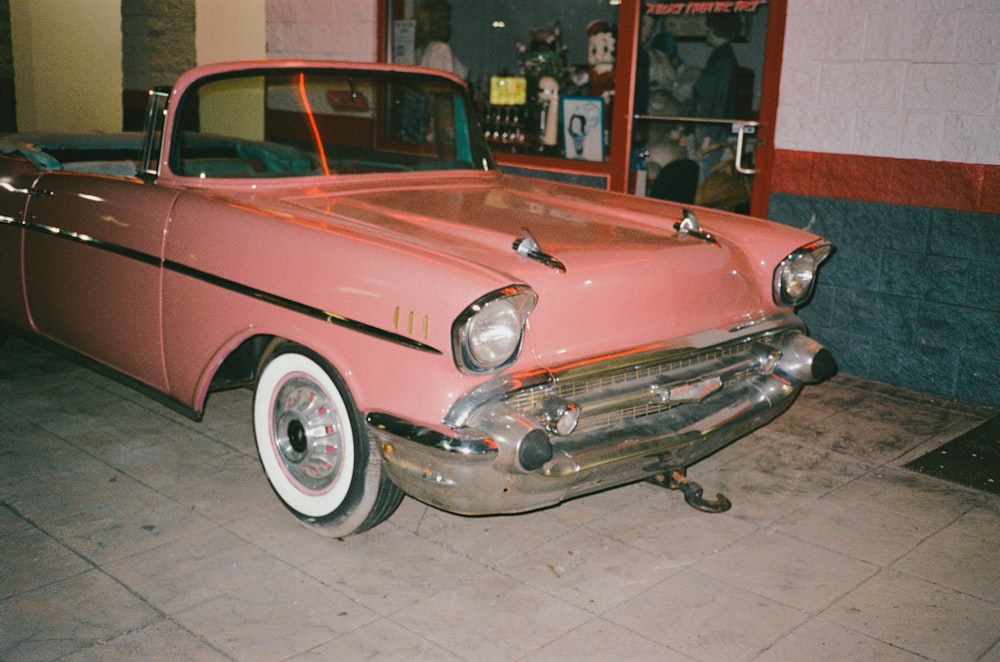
(128,532)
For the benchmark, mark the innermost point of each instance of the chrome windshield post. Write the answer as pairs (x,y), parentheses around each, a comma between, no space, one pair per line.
(156,112)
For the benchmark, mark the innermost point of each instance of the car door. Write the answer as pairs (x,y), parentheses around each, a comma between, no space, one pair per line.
(16,178)
(92,268)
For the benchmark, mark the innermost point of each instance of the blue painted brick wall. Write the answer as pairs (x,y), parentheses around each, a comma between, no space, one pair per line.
(912,295)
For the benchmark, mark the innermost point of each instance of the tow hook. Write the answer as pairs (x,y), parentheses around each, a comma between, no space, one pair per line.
(678,480)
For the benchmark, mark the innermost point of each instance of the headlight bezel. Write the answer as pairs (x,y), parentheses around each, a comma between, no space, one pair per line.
(795,276)
(504,312)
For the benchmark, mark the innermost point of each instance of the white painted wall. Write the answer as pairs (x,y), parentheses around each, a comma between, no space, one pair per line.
(229,30)
(915,79)
(323,29)
(67,64)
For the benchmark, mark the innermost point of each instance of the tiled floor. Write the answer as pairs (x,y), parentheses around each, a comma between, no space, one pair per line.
(128,532)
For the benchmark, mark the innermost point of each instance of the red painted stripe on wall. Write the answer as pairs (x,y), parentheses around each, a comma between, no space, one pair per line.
(948,185)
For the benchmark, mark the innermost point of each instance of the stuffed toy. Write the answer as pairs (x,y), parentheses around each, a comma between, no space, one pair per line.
(601,58)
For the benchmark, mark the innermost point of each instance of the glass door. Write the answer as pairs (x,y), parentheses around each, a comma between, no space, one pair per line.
(697,101)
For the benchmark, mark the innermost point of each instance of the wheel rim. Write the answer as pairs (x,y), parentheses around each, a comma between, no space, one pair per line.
(307,435)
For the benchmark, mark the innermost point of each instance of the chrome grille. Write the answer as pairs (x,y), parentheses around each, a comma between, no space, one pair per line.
(644,372)
(616,391)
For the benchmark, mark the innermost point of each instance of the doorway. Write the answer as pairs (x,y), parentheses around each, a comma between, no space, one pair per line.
(704,101)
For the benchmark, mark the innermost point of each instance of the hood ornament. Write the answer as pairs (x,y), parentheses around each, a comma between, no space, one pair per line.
(691,226)
(529,247)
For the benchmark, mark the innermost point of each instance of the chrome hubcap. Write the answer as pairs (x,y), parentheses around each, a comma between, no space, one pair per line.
(307,434)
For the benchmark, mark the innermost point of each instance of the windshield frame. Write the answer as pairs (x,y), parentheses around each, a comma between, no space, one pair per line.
(355,96)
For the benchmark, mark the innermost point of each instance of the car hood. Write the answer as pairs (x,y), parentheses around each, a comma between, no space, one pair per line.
(627,277)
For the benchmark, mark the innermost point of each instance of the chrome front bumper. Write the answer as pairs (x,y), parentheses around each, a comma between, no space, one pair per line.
(600,423)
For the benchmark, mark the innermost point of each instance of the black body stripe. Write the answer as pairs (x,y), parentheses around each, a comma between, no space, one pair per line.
(87,240)
(233,286)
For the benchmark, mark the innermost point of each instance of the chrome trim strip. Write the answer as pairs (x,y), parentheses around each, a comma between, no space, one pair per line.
(295,306)
(156,112)
(758,320)
(233,286)
(466,442)
(87,240)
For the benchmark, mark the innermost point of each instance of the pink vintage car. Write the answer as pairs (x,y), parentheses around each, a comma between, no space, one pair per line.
(410,319)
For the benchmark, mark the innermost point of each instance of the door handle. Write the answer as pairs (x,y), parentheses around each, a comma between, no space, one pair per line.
(742,129)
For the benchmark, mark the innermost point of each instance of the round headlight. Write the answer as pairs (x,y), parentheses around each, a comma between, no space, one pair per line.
(488,335)
(797,278)
(493,334)
(796,275)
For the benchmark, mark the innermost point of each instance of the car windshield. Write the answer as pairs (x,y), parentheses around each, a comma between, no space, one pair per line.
(295,123)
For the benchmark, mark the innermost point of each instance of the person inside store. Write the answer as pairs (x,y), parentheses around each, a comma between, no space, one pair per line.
(664,87)
(715,89)
(433,34)
(671,80)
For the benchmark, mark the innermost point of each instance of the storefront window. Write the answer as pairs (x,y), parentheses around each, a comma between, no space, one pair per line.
(657,97)
(541,72)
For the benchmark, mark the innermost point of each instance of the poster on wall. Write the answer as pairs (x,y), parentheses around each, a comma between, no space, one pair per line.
(583,127)
(404,35)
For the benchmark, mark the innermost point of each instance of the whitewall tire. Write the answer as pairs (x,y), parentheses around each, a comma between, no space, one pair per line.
(314,448)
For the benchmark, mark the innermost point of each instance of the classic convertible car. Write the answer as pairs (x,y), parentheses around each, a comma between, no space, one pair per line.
(411,320)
